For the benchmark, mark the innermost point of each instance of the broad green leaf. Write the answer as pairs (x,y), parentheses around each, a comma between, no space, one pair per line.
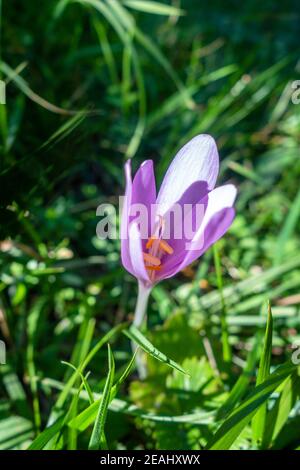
(137,337)
(98,438)
(259,420)
(238,420)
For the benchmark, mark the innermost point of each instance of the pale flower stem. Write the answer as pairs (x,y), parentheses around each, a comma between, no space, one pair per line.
(139,316)
(141,305)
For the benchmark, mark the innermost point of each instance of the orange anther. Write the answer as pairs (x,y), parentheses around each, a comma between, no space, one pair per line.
(153,268)
(150,242)
(151,259)
(166,247)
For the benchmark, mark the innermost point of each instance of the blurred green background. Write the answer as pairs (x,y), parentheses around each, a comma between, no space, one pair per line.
(88,84)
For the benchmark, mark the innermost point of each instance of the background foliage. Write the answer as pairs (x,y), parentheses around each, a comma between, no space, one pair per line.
(89,84)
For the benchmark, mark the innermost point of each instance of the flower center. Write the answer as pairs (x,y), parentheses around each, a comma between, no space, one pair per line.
(156,247)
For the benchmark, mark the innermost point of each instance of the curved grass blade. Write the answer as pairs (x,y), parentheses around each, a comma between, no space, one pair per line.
(86,417)
(84,381)
(278,415)
(242,383)
(122,406)
(42,439)
(288,228)
(259,420)
(155,8)
(66,390)
(137,337)
(98,438)
(238,420)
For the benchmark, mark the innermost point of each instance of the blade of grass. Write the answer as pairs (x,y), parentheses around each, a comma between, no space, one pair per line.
(232,427)
(288,392)
(68,386)
(288,228)
(32,323)
(87,416)
(241,385)
(137,337)
(227,354)
(156,8)
(98,437)
(259,420)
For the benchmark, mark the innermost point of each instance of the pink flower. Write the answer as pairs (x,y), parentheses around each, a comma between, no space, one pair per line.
(189,181)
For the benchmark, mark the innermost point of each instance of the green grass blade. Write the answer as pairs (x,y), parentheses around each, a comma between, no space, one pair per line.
(241,385)
(227,354)
(277,417)
(65,392)
(86,417)
(288,228)
(48,433)
(137,337)
(155,8)
(97,438)
(238,420)
(84,381)
(259,420)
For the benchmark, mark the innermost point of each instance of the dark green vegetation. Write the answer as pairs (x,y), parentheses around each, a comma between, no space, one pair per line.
(90,83)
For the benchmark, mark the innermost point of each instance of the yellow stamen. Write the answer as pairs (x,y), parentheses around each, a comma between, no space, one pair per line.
(151,259)
(153,268)
(150,242)
(166,247)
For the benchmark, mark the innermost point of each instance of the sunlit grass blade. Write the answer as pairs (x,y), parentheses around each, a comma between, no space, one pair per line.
(128,22)
(259,420)
(227,355)
(23,86)
(288,228)
(241,385)
(32,323)
(83,380)
(156,8)
(137,337)
(44,437)
(98,438)
(64,130)
(288,393)
(64,394)
(87,416)
(241,416)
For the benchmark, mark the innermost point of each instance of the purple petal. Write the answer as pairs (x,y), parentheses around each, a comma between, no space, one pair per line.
(218,217)
(144,192)
(141,191)
(136,254)
(197,161)
(125,255)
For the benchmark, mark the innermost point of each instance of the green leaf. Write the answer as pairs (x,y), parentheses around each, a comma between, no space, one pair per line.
(84,419)
(137,337)
(288,392)
(98,438)
(42,439)
(153,7)
(288,228)
(242,383)
(238,420)
(259,420)
(64,394)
